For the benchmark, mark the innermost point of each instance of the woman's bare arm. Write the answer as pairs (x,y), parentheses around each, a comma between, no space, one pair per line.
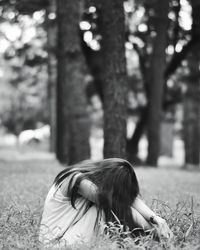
(139,220)
(159,223)
(86,188)
(143,209)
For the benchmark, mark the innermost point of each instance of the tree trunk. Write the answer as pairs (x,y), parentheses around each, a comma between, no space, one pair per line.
(115,84)
(51,44)
(72,117)
(157,81)
(94,62)
(192,112)
(133,142)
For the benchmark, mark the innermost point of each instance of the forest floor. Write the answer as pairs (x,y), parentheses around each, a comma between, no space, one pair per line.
(25,177)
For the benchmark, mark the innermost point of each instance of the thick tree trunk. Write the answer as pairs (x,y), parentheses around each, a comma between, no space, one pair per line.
(51,44)
(157,81)
(115,85)
(72,117)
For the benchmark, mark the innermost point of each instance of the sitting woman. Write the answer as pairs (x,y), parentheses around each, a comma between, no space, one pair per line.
(87,196)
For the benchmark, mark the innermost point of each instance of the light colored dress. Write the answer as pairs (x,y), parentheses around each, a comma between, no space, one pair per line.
(61,224)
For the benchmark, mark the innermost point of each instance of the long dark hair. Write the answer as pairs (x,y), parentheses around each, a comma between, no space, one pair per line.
(117,187)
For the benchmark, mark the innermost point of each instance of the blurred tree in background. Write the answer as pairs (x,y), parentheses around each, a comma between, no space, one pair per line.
(51,31)
(24,95)
(180,39)
(161,40)
(192,92)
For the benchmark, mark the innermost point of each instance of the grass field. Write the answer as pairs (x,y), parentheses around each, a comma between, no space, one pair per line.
(26,177)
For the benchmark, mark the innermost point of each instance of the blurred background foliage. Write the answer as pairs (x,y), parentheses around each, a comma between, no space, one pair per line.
(28,54)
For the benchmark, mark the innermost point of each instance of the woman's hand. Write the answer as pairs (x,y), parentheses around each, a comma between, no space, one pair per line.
(162,228)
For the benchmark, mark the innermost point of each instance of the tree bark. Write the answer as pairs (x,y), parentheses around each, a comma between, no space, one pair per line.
(157,81)
(115,84)
(72,116)
(52,64)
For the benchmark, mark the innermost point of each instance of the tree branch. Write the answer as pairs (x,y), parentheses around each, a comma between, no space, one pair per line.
(178,57)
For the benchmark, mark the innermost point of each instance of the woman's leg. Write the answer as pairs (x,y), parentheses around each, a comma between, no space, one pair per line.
(86,228)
